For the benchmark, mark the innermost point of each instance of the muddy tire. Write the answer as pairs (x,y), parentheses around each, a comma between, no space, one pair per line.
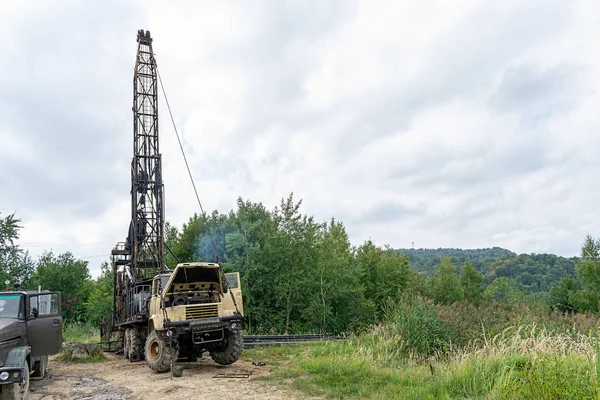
(159,354)
(231,350)
(136,345)
(17,391)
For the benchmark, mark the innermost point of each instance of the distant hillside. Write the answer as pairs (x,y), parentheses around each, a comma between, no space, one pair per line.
(532,272)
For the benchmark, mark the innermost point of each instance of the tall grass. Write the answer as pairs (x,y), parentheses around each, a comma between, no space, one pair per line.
(418,354)
(80,333)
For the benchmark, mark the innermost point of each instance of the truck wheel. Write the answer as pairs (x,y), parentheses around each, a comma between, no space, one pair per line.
(231,350)
(159,353)
(17,391)
(136,345)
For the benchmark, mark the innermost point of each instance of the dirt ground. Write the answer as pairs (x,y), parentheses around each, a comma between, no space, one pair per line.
(117,379)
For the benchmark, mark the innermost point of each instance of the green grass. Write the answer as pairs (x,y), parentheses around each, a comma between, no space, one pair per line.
(96,356)
(80,333)
(525,363)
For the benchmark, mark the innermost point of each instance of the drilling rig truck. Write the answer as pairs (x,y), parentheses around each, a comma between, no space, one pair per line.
(164,315)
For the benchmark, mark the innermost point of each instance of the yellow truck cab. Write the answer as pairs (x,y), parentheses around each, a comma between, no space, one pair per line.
(192,310)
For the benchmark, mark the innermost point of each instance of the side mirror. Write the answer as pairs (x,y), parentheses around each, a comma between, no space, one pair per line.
(35,312)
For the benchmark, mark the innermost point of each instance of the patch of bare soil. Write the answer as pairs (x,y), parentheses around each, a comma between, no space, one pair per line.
(117,379)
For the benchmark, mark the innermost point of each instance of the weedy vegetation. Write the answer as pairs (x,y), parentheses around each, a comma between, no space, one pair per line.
(96,355)
(80,333)
(421,351)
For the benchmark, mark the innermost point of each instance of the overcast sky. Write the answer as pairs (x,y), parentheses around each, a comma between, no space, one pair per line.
(445,123)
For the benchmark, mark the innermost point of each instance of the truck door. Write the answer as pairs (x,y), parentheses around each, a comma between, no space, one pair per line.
(233,281)
(44,331)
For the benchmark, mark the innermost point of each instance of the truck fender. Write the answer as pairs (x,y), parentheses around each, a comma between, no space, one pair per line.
(155,322)
(16,357)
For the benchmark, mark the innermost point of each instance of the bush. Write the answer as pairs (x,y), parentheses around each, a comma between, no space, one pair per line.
(80,333)
(415,321)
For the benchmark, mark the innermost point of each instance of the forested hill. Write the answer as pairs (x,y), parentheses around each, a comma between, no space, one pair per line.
(532,272)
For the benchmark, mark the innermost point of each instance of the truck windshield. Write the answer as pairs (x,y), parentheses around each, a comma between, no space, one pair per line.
(11,306)
(163,281)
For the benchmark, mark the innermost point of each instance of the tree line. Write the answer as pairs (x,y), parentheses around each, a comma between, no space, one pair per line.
(302,275)
(532,273)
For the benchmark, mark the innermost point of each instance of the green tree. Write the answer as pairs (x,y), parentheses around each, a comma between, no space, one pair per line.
(252,229)
(185,246)
(15,264)
(171,242)
(202,238)
(368,257)
(99,304)
(503,290)
(471,281)
(532,272)
(446,286)
(245,241)
(562,294)
(276,253)
(393,275)
(337,305)
(385,274)
(588,271)
(295,257)
(68,275)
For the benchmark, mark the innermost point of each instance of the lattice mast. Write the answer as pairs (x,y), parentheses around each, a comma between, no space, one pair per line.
(146,233)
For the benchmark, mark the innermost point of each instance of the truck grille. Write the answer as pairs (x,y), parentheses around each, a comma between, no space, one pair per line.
(202,311)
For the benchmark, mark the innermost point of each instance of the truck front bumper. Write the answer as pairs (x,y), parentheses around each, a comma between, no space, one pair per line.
(206,324)
(204,330)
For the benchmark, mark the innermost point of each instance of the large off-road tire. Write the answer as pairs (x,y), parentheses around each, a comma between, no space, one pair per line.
(159,353)
(17,391)
(127,343)
(231,350)
(136,341)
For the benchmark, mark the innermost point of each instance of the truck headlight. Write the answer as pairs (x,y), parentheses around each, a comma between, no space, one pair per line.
(3,376)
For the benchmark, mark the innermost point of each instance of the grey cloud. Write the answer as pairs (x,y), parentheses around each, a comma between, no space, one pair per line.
(502,160)
(386,212)
(60,93)
(215,166)
(536,93)
(461,66)
(276,57)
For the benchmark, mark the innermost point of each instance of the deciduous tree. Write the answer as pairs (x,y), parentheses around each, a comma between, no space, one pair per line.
(446,287)
(471,281)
